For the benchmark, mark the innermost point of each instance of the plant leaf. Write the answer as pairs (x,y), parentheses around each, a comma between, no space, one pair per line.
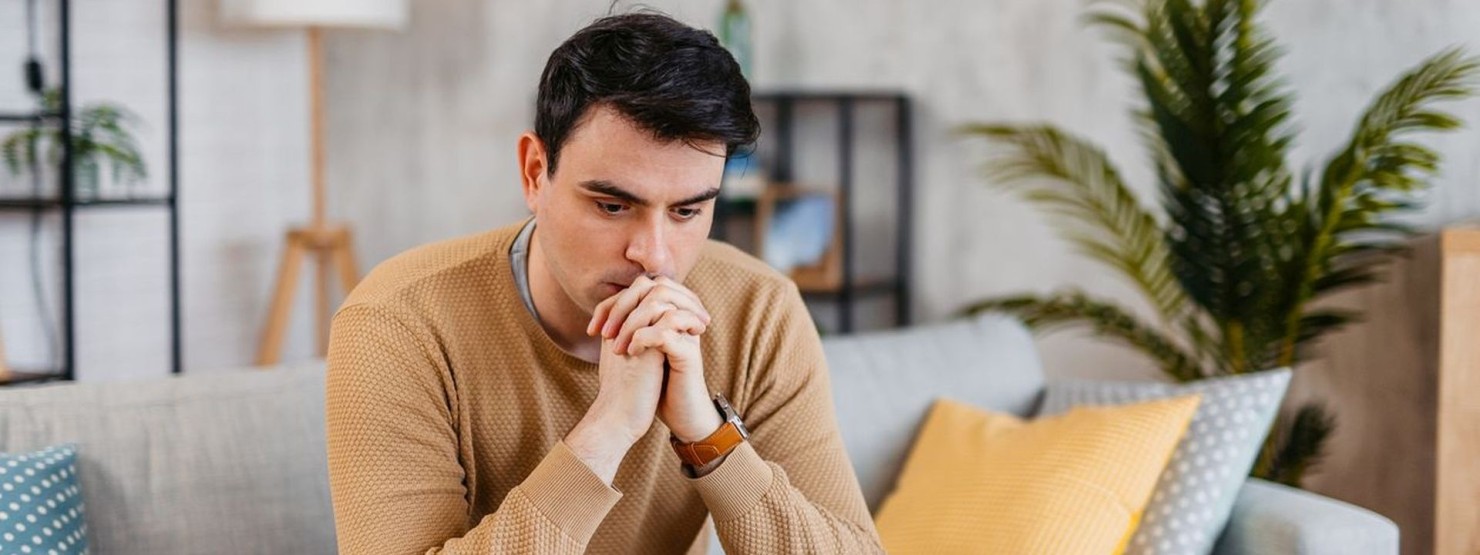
(1073,180)
(1077,309)
(1365,184)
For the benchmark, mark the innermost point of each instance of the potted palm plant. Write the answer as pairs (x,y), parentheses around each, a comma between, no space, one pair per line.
(1239,249)
(102,138)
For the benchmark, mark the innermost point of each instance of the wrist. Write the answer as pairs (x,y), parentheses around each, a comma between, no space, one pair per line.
(706,424)
(700,471)
(600,447)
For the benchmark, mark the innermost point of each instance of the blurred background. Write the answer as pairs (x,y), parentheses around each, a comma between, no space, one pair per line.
(421,125)
(421,110)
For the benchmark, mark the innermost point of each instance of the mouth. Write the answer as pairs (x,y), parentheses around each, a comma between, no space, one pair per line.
(612,288)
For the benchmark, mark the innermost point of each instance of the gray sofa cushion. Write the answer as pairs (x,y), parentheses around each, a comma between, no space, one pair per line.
(884,383)
(209,463)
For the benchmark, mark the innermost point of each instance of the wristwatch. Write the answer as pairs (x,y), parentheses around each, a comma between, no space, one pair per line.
(730,435)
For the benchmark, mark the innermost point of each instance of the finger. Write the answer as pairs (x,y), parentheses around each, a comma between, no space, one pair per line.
(659,300)
(673,294)
(646,314)
(682,321)
(651,338)
(697,306)
(679,322)
(624,303)
(598,315)
(601,313)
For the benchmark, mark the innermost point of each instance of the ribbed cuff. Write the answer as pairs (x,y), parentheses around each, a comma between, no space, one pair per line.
(568,493)
(737,485)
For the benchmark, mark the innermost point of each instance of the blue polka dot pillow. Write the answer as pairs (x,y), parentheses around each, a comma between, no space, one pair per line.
(1196,491)
(41,503)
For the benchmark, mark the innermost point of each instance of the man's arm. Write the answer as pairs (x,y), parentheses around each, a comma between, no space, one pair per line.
(790,488)
(394,474)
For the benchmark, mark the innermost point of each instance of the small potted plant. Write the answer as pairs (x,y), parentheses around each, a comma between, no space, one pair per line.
(102,139)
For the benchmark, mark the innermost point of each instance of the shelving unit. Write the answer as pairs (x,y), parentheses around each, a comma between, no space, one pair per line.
(67,204)
(782,170)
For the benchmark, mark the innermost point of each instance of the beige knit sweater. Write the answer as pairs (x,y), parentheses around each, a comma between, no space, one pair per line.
(447,403)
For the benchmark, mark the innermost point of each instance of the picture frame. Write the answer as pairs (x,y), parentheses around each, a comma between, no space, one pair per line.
(801,221)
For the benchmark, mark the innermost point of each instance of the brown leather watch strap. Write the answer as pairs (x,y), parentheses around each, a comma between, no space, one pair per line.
(704,451)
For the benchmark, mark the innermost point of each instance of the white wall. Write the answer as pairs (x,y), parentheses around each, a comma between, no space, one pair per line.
(243,173)
(423,123)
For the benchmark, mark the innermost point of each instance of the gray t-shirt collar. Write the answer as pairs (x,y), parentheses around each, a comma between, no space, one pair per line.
(519,259)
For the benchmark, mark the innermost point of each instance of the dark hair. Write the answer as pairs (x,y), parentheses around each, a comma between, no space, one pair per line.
(666,77)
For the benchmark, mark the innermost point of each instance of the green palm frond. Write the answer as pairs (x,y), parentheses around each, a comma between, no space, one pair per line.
(1220,143)
(1074,180)
(1296,445)
(1077,309)
(1345,221)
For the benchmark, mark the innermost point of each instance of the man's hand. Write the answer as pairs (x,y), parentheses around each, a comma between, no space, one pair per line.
(660,315)
(630,388)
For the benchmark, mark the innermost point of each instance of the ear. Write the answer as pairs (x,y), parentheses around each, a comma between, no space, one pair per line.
(532,165)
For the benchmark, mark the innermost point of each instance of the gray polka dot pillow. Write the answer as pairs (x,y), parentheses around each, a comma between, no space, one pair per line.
(1196,491)
(41,503)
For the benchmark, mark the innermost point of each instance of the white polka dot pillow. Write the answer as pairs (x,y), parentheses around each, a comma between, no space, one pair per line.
(1196,491)
(41,503)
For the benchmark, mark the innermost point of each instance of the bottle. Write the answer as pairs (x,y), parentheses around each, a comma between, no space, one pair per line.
(734,33)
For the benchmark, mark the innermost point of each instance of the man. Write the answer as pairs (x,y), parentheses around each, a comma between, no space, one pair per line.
(601,376)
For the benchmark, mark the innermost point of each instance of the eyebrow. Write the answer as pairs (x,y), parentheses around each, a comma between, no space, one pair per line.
(612,190)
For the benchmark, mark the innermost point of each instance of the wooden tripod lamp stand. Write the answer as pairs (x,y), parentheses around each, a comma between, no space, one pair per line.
(329,245)
(4,370)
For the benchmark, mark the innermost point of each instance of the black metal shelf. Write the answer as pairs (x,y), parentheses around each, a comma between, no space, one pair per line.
(30,117)
(851,288)
(17,377)
(67,203)
(862,289)
(55,203)
(737,206)
(823,95)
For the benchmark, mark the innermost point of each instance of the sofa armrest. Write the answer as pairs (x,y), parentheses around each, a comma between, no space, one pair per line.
(1272,518)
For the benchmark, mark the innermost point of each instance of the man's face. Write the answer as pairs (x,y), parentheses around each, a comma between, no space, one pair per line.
(622,204)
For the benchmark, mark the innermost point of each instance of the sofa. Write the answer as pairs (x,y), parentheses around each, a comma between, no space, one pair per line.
(234,461)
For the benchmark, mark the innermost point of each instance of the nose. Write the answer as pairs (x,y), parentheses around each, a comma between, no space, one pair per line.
(648,247)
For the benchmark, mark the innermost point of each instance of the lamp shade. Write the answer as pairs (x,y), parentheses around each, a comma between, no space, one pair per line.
(364,14)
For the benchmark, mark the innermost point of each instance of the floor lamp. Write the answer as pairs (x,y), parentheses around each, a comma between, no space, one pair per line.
(328,245)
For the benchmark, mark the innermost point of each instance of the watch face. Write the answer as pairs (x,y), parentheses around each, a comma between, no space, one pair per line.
(729,414)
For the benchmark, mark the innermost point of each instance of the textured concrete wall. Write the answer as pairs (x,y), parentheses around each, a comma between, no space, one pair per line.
(424,122)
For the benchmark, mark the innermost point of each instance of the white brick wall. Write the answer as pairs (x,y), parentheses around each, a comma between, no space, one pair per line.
(243,175)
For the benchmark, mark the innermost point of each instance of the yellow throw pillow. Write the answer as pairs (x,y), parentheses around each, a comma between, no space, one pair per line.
(984,482)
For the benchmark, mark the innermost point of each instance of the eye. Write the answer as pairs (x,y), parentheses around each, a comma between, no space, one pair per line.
(610,209)
(686,214)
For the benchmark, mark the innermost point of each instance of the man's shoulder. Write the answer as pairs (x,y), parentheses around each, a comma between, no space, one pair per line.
(728,273)
(428,268)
